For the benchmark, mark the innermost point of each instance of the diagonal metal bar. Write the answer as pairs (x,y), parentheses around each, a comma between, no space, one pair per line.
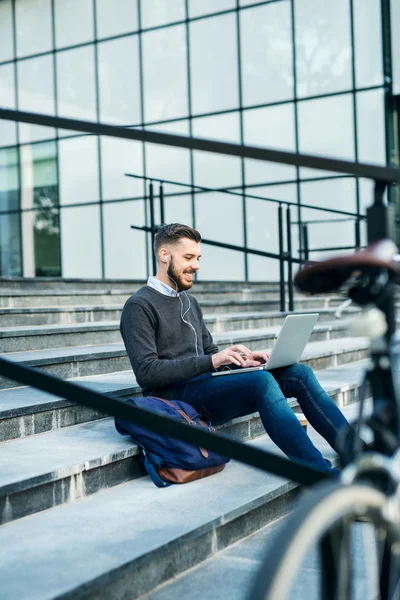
(222,444)
(369,171)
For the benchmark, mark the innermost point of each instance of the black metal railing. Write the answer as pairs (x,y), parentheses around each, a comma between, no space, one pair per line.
(305,236)
(267,461)
(285,255)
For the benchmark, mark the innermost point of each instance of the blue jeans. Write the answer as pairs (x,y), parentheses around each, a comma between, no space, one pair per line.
(220,399)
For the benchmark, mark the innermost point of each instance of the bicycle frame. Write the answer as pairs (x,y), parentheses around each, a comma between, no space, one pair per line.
(385,386)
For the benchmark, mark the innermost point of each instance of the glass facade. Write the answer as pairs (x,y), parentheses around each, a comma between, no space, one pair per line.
(301,75)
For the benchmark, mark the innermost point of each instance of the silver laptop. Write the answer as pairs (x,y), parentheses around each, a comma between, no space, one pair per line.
(292,339)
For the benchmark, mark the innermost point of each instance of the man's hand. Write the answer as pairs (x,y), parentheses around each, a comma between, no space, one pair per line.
(241,356)
(234,354)
(261,356)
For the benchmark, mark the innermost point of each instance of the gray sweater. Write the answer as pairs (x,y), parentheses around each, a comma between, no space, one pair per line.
(160,346)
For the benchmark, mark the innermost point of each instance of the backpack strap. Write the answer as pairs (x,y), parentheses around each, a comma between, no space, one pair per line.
(156,479)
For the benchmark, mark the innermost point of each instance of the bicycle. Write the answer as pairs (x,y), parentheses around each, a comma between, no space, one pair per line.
(369,487)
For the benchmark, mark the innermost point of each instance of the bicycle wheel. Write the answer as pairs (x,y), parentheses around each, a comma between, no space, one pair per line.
(324,516)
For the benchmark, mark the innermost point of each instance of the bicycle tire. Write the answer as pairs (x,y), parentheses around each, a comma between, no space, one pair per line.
(326,505)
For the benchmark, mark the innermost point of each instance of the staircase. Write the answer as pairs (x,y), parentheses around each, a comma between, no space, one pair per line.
(78,517)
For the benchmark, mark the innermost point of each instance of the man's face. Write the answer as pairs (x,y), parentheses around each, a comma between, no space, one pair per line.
(184,263)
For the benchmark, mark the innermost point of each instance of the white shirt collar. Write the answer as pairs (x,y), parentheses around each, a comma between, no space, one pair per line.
(161,287)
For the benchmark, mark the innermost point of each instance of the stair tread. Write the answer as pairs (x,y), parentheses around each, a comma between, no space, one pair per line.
(88,445)
(22,330)
(25,400)
(122,524)
(117,348)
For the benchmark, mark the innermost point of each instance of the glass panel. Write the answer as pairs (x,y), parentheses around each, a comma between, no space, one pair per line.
(119,86)
(73,22)
(262,228)
(41,227)
(339,194)
(125,253)
(323,46)
(205,7)
(270,127)
(214,64)
(33,26)
(79,173)
(117,158)
(114,22)
(246,2)
(76,83)
(326,127)
(395,27)
(159,12)
(10,231)
(165,162)
(36,94)
(178,209)
(215,208)
(219,264)
(213,170)
(7,100)
(371,126)
(267,53)
(368,43)
(165,74)
(6,31)
(80,241)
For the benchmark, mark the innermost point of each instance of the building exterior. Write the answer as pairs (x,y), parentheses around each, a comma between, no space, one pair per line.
(312,76)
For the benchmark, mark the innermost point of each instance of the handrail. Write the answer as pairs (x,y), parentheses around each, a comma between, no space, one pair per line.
(222,444)
(365,170)
(267,461)
(243,195)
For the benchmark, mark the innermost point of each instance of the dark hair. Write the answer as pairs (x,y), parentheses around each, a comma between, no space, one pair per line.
(172,233)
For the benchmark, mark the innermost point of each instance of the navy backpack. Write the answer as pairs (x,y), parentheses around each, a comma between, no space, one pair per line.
(168,460)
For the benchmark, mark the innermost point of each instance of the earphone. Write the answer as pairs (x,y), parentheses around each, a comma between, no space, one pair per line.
(166,259)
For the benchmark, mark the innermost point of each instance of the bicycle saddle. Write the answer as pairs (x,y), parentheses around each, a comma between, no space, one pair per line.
(328,275)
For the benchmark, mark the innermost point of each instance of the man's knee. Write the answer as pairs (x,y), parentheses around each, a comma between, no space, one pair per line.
(300,371)
(263,386)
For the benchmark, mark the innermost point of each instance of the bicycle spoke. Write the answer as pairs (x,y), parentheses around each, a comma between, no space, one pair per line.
(390,571)
(335,548)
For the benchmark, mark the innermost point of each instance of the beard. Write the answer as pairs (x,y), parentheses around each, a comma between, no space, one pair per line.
(177,278)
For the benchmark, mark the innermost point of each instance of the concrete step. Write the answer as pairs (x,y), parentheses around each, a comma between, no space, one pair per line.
(63,465)
(41,337)
(67,315)
(94,360)
(57,283)
(25,411)
(134,536)
(58,315)
(232,572)
(45,470)
(218,301)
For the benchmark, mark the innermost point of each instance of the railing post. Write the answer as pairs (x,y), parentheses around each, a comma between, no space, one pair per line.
(162,213)
(281,260)
(304,229)
(289,258)
(357,224)
(152,225)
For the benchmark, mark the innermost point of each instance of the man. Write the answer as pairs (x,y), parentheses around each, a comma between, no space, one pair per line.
(173,354)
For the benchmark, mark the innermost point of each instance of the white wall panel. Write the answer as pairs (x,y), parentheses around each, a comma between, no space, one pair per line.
(267,53)
(115,22)
(213,64)
(78,169)
(80,241)
(125,249)
(6,31)
(165,74)
(270,127)
(73,21)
